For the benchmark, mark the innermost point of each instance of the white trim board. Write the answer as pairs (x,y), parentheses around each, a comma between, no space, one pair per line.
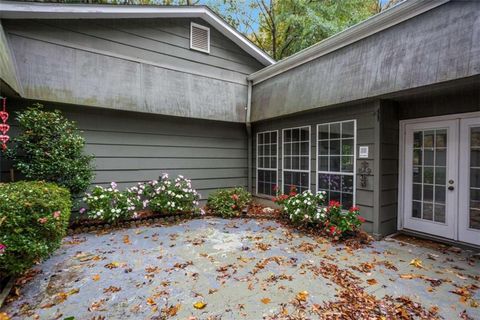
(35,10)
(384,20)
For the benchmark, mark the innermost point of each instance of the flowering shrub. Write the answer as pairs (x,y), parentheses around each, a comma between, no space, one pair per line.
(281,198)
(310,209)
(34,218)
(140,195)
(50,148)
(338,221)
(305,207)
(164,196)
(172,197)
(108,204)
(228,202)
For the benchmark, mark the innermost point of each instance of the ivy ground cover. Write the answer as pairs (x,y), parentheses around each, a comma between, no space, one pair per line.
(216,268)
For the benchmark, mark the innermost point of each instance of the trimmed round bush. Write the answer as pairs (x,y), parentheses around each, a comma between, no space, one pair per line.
(228,203)
(34,218)
(50,148)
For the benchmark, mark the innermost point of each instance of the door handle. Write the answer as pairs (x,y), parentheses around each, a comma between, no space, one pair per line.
(451,188)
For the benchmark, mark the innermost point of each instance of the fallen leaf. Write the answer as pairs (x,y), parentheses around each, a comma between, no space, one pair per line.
(172,310)
(263,246)
(409,276)
(112,265)
(4,316)
(372,282)
(199,305)
(416,263)
(111,289)
(96,277)
(97,306)
(302,296)
(126,239)
(266,300)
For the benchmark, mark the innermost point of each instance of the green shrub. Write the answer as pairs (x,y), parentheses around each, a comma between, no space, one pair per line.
(34,218)
(339,223)
(228,203)
(108,204)
(50,148)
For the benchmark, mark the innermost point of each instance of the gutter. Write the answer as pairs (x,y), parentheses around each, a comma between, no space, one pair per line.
(379,22)
(248,125)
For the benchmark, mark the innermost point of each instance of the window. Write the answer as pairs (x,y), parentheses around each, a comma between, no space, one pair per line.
(296,159)
(199,37)
(336,161)
(267,150)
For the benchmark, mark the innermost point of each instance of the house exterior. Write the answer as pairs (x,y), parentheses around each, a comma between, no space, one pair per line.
(384,115)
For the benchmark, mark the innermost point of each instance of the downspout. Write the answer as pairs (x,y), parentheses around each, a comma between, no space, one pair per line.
(248,126)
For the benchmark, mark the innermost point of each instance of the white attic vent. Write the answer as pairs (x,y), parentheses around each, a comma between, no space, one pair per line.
(199,38)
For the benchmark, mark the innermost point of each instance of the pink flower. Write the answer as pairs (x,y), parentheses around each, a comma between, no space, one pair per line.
(2,248)
(361,219)
(235,197)
(113,185)
(82,210)
(56,214)
(42,220)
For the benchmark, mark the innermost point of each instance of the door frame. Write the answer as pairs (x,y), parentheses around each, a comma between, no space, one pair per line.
(467,234)
(401,162)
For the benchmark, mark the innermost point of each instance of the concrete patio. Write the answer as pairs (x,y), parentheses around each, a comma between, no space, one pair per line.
(239,269)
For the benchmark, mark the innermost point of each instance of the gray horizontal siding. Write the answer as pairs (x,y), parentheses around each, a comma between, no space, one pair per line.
(7,66)
(437,46)
(365,116)
(133,147)
(141,65)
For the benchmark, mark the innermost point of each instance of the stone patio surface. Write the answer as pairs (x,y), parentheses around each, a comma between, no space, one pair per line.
(234,269)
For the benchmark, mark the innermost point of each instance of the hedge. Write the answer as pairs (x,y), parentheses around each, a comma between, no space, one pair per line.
(34,217)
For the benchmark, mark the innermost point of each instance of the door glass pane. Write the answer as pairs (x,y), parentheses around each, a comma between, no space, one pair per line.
(474,178)
(429,174)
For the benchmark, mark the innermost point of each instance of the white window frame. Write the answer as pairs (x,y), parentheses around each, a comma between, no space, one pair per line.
(354,173)
(309,155)
(196,25)
(269,169)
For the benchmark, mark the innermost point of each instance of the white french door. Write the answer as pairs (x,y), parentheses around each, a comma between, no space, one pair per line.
(440,182)
(469,189)
(430,174)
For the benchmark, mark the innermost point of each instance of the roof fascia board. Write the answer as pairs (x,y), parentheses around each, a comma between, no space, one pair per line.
(375,24)
(31,10)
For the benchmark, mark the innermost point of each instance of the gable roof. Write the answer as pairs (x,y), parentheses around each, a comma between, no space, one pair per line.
(379,22)
(35,10)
